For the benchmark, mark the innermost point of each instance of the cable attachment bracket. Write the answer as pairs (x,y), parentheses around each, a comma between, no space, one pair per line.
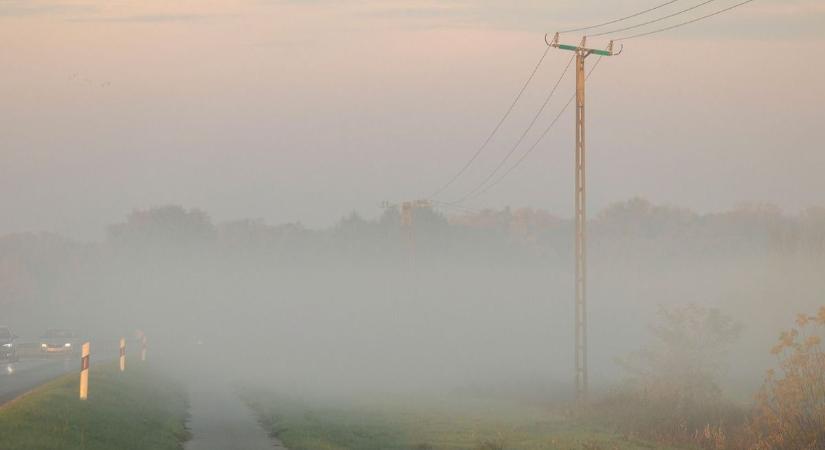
(610,49)
(554,42)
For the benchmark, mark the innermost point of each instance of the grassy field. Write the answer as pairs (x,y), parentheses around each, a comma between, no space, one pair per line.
(137,409)
(422,424)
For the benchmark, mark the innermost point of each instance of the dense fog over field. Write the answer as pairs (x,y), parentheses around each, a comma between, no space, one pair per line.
(302,205)
(482,302)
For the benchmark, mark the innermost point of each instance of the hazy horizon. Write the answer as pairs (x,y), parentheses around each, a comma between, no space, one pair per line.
(304,111)
(259,193)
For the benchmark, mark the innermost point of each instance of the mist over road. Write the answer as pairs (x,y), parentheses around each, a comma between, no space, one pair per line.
(25,375)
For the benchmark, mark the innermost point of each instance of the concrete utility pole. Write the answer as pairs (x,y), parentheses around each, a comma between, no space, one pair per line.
(580,214)
(407,210)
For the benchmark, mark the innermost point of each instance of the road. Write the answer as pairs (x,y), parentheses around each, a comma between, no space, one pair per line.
(25,375)
(33,370)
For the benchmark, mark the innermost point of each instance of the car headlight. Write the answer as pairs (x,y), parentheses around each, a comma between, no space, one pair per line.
(67,344)
(7,345)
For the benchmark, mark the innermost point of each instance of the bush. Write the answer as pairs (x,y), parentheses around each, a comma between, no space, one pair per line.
(672,396)
(790,411)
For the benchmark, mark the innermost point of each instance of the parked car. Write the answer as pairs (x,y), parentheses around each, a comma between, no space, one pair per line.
(59,341)
(8,345)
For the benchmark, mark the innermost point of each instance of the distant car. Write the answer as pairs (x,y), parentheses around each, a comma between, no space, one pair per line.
(59,341)
(8,345)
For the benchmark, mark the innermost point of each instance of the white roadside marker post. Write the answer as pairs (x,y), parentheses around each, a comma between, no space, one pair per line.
(84,372)
(122,354)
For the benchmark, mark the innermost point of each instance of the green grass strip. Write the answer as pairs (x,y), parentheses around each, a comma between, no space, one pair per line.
(419,425)
(136,409)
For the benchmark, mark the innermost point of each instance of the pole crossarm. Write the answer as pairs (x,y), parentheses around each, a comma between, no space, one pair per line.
(581,48)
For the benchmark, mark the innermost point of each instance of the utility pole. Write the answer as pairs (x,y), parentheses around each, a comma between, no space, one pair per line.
(580,214)
(407,209)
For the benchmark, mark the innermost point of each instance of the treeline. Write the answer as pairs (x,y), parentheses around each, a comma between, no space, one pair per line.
(47,269)
(635,228)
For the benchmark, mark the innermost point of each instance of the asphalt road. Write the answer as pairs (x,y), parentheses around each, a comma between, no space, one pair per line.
(20,377)
(33,370)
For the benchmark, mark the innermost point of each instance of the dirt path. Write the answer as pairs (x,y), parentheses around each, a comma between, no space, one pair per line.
(221,421)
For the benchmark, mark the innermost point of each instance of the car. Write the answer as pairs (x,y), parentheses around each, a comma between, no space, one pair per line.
(8,345)
(59,341)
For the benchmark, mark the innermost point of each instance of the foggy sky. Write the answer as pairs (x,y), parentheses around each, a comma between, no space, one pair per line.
(306,110)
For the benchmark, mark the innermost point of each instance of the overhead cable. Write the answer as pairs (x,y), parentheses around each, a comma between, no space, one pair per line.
(648,33)
(495,129)
(610,22)
(659,19)
(521,138)
(536,143)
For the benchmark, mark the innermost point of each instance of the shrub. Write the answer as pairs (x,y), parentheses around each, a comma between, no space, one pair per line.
(790,412)
(672,396)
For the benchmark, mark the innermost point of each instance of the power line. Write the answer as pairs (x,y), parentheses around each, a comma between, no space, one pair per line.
(621,19)
(480,189)
(580,215)
(524,155)
(463,209)
(521,138)
(684,23)
(619,30)
(495,130)
(537,142)
(567,105)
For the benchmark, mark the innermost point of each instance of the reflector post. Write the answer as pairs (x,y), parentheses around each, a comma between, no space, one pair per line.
(84,372)
(122,354)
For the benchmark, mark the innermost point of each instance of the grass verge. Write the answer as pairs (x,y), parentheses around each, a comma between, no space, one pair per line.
(136,409)
(424,425)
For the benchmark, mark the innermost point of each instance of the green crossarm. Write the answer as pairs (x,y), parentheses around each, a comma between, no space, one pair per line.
(590,50)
